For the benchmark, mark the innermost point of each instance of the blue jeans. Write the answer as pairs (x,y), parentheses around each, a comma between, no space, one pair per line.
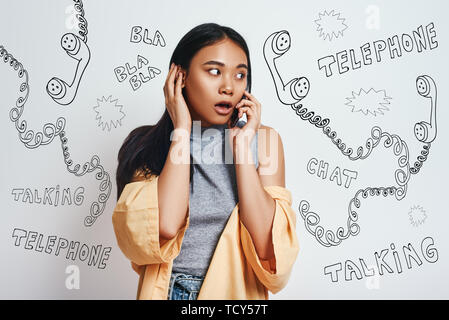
(184,286)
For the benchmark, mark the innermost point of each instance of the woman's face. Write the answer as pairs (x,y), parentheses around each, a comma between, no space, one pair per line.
(217,73)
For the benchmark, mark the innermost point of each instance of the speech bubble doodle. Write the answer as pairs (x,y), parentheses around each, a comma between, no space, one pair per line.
(108,113)
(417,216)
(330,25)
(369,102)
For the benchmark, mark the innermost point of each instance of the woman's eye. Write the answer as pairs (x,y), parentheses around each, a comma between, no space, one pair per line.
(215,72)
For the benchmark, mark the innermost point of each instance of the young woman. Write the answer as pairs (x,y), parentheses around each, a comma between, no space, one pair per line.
(193,229)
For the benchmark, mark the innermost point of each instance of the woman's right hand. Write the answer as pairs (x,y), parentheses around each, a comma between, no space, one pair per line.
(174,100)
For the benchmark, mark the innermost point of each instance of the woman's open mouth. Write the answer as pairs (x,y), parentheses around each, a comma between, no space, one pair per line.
(223,108)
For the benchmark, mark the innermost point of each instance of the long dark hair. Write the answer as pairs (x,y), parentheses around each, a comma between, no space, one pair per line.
(147,147)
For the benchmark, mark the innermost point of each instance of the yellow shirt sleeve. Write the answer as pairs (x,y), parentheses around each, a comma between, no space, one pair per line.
(275,273)
(136,225)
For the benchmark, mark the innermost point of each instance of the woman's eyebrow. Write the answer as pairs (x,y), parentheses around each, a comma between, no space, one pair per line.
(242,65)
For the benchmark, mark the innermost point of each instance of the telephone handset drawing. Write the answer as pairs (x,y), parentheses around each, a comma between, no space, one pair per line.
(59,90)
(425,131)
(296,89)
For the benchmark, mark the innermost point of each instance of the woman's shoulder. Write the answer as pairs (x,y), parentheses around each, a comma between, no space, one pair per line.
(269,138)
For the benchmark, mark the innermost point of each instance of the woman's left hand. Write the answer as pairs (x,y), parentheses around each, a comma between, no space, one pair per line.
(252,108)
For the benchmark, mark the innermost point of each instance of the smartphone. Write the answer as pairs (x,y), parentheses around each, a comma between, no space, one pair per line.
(235,115)
(234,118)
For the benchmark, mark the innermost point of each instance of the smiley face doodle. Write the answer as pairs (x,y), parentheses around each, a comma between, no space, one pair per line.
(76,47)
(277,44)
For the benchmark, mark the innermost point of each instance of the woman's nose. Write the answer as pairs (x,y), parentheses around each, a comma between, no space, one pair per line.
(226,86)
(226,90)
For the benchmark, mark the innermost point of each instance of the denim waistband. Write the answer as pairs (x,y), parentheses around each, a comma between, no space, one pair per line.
(188,282)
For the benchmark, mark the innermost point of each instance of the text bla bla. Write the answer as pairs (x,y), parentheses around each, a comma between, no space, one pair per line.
(138,74)
(137,37)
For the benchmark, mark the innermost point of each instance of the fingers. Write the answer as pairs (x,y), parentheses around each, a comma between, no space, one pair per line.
(169,82)
(244,106)
(178,85)
(252,98)
(246,110)
(250,105)
(166,84)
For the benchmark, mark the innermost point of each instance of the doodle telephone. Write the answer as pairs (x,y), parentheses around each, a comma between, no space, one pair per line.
(427,131)
(59,90)
(291,93)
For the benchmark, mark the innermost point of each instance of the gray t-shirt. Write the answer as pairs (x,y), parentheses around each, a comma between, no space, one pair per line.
(213,195)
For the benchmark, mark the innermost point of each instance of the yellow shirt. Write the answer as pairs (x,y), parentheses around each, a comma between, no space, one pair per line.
(235,271)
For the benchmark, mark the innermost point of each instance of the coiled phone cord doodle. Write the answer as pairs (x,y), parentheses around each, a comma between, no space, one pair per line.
(33,140)
(82,22)
(402,176)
